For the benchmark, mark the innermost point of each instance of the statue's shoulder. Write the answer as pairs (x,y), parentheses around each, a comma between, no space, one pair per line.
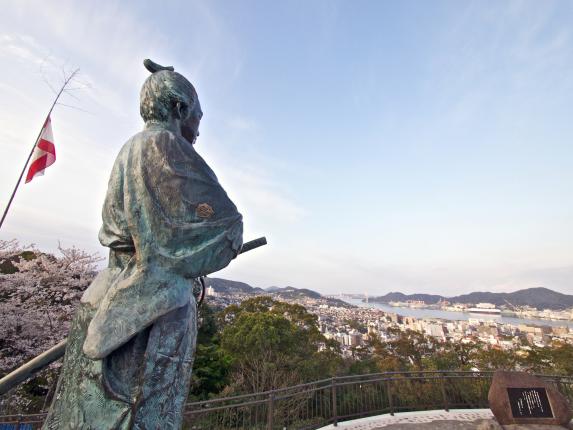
(153,133)
(151,136)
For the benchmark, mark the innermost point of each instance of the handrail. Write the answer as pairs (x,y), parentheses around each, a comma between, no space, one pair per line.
(425,375)
(318,403)
(371,377)
(35,365)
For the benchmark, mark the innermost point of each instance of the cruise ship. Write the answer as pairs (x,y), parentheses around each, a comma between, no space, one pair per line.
(485,308)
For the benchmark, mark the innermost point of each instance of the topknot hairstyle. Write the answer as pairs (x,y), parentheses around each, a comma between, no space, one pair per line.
(162,90)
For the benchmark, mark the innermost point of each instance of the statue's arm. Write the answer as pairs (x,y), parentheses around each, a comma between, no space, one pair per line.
(179,214)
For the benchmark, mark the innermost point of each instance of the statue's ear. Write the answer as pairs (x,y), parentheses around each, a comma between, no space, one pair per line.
(182,111)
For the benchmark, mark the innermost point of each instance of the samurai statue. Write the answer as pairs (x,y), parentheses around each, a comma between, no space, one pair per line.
(166,221)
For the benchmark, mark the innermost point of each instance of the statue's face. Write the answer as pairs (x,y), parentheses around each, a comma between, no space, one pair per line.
(190,127)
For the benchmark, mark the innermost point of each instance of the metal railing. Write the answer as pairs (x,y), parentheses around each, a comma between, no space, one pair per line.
(329,401)
(316,404)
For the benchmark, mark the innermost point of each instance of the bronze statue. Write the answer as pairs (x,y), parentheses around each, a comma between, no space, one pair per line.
(167,222)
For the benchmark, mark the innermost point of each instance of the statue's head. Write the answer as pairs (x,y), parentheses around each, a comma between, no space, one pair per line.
(167,96)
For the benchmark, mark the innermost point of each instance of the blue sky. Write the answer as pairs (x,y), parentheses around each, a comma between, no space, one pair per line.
(380,146)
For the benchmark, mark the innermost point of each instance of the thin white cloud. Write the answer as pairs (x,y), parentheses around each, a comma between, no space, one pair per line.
(242,124)
(519,54)
(262,197)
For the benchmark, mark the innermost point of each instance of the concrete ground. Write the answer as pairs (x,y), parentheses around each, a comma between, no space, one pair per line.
(468,425)
(443,425)
(459,419)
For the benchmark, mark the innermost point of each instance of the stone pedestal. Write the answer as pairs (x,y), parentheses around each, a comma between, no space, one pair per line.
(520,398)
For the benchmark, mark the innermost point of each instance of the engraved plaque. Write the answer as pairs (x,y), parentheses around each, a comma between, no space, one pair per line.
(529,403)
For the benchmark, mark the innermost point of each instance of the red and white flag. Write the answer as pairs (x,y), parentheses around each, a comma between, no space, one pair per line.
(44,154)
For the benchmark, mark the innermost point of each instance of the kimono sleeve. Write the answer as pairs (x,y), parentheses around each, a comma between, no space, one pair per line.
(179,216)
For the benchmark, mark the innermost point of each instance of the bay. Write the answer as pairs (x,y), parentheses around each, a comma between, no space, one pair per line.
(457,316)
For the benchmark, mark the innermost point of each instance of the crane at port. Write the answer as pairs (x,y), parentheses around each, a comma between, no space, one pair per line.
(512,307)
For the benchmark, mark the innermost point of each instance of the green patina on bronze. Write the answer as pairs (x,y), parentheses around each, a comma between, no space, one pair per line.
(167,221)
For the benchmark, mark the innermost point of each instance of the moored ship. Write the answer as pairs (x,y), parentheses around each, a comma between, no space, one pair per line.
(485,308)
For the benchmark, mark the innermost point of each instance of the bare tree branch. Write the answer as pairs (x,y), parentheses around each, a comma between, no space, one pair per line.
(75,107)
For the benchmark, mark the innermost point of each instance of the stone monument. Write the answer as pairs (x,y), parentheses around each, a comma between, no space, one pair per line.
(521,398)
(167,221)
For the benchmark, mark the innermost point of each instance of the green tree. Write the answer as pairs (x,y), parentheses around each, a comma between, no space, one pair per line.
(562,358)
(406,351)
(453,356)
(356,325)
(274,344)
(211,366)
(555,359)
(495,359)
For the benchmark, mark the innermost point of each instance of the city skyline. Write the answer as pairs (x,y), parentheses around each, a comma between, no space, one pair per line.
(414,147)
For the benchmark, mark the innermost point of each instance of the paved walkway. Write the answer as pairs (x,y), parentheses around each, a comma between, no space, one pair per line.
(462,419)
(456,419)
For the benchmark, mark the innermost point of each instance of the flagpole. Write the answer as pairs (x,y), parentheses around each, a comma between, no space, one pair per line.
(67,81)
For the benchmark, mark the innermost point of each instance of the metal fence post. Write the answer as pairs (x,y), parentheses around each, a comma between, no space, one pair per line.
(334,406)
(444,395)
(390,401)
(559,386)
(270,411)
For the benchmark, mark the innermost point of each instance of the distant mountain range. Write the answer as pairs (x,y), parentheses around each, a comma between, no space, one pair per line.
(291,292)
(227,286)
(540,298)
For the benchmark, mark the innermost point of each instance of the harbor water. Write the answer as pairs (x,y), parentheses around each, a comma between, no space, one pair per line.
(459,316)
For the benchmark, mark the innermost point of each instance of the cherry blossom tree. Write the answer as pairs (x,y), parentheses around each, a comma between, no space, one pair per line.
(38,296)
